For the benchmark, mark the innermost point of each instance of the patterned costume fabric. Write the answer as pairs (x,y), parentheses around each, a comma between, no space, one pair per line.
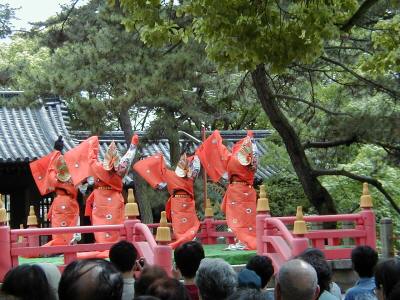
(105,205)
(180,207)
(239,203)
(51,175)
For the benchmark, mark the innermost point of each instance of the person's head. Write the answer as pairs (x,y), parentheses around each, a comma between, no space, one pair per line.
(148,275)
(146,298)
(168,289)
(188,257)
(215,279)
(27,282)
(364,260)
(248,279)
(53,276)
(247,294)
(262,265)
(296,280)
(318,262)
(387,276)
(90,279)
(123,255)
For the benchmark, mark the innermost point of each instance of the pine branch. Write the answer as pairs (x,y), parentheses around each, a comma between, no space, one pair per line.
(370,82)
(287,97)
(348,141)
(362,10)
(360,178)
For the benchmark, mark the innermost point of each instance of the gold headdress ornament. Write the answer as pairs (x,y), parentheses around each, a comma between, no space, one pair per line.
(245,153)
(182,168)
(63,174)
(111,158)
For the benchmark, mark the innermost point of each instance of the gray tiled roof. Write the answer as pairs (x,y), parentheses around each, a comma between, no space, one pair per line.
(29,133)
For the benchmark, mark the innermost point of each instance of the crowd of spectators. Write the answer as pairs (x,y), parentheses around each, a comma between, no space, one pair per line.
(305,277)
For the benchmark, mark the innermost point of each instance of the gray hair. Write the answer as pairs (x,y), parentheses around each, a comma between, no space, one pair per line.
(215,279)
(297,280)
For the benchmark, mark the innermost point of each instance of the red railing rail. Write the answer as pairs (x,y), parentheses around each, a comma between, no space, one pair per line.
(132,230)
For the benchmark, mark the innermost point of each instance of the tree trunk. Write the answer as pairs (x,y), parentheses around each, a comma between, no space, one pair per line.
(145,206)
(315,192)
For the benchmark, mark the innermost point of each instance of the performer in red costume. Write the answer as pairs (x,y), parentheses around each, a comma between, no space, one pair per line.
(105,205)
(180,207)
(51,175)
(239,166)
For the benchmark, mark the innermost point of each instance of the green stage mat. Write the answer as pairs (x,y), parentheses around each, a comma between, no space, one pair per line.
(211,251)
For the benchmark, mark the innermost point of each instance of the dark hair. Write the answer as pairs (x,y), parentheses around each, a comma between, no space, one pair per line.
(123,255)
(364,260)
(387,276)
(147,277)
(395,292)
(90,279)
(324,272)
(27,282)
(168,289)
(263,267)
(247,294)
(146,298)
(188,257)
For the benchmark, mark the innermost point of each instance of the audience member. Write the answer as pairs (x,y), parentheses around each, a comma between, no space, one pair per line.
(187,260)
(123,255)
(90,279)
(262,265)
(27,282)
(215,279)
(248,279)
(53,276)
(334,289)
(387,279)
(168,289)
(148,275)
(247,294)
(324,273)
(296,280)
(364,260)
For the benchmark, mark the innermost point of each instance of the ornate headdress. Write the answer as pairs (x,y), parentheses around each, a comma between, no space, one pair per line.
(111,158)
(188,166)
(182,168)
(245,153)
(63,174)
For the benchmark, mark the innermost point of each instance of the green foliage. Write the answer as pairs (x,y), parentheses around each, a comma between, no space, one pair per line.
(21,65)
(386,40)
(6,15)
(244,33)
(285,193)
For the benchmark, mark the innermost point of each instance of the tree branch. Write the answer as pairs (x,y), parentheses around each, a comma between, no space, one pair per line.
(370,82)
(348,141)
(68,14)
(287,97)
(360,178)
(362,10)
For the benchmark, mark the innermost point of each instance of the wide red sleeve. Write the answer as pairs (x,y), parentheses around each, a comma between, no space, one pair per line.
(213,156)
(152,169)
(79,159)
(41,172)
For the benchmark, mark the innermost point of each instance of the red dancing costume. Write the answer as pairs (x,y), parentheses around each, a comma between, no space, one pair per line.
(239,203)
(180,207)
(51,175)
(105,205)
